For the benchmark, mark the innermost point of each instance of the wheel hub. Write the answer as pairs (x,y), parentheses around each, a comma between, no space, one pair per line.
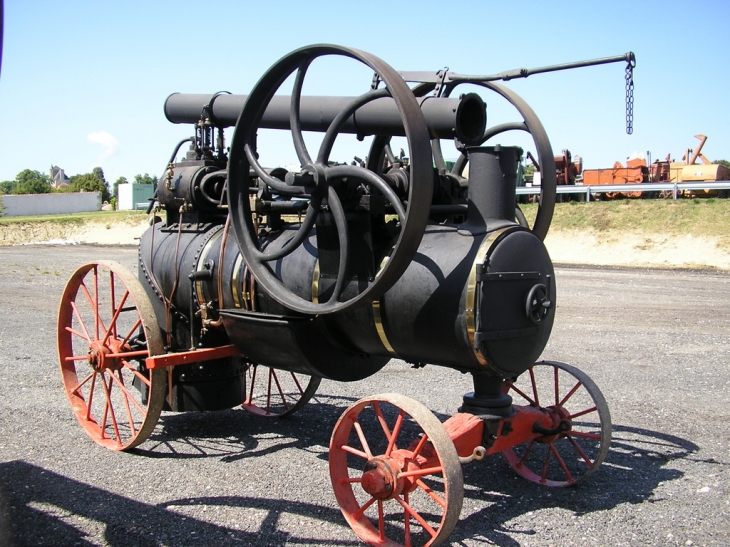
(98,357)
(561,424)
(380,478)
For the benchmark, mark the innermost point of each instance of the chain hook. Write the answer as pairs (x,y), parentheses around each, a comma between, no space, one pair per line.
(630,64)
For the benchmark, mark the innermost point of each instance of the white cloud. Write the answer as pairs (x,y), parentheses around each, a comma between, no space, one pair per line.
(108,143)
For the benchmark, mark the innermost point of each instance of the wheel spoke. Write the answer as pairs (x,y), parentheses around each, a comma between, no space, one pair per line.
(112,330)
(396,432)
(76,358)
(523,395)
(273,182)
(296,381)
(355,451)
(253,382)
(333,130)
(80,384)
(91,396)
(268,391)
(342,171)
(426,526)
(127,408)
(98,322)
(434,496)
(583,412)
(561,463)
(523,459)
(557,386)
(579,450)
(421,472)
(420,445)
(534,386)
(281,392)
(112,412)
(381,521)
(570,393)
(595,436)
(543,477)
(81,322)
(114,312)
(381,420)
(137,373)
(364,508)
(127,394)
(343,236)
(95,307)
(363,440)
(131,332)
(406,522)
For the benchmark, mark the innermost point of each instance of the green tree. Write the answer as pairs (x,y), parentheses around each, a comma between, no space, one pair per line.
(32,182)
(145,179)
(721,162)
(98,172)
(115,190)
(89,183)
(7,186)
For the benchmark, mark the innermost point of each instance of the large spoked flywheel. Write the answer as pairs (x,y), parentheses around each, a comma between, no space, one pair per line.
(318,181)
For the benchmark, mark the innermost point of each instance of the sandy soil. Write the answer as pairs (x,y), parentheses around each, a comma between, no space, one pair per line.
(565,247)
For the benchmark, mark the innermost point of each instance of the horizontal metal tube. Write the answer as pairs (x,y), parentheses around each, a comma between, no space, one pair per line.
(464,118)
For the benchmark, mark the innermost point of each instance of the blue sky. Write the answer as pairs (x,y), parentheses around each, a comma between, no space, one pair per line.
(83,82)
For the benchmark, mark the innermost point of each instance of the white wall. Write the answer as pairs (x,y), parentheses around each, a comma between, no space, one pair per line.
(49,204)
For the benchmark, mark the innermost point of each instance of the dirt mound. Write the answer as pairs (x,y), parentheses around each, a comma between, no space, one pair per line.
(605,248)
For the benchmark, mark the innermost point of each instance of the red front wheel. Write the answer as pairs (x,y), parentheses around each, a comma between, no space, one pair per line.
(576,404)
(395,472)
(106,329)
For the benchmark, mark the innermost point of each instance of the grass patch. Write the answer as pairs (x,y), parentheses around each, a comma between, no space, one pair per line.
(78,218)
(701,217)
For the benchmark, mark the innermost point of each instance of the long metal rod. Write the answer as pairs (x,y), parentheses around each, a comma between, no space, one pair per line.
(525,72)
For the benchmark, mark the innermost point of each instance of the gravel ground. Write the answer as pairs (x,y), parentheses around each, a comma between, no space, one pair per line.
(656,342)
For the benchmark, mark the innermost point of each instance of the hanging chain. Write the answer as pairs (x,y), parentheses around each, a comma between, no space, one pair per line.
(631,63)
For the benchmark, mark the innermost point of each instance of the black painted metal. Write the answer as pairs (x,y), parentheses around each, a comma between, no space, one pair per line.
(391,257)
(463,118)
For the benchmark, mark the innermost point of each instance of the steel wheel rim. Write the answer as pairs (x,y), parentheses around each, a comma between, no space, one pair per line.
(367,518)
(95,334)
(570,457)
(282,392)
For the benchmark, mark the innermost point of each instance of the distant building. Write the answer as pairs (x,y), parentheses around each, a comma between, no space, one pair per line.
(133,196)
(58,177)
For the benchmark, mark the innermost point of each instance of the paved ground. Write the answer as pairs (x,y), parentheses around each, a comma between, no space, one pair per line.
(656,342)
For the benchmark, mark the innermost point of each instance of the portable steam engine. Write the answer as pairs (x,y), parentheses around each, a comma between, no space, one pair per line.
(256,283)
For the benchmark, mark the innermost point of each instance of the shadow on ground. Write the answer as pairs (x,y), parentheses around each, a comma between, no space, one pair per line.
(45,505)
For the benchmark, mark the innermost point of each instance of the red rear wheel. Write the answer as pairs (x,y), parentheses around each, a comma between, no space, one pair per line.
(106,330)
(567,394)
(277,393)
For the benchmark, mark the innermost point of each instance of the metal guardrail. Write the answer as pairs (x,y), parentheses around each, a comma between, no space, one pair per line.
(674,187)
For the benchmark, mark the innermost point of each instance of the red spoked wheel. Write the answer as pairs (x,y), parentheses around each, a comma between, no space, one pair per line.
(277,393)
(395,472)
(578,409)
(106,329)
